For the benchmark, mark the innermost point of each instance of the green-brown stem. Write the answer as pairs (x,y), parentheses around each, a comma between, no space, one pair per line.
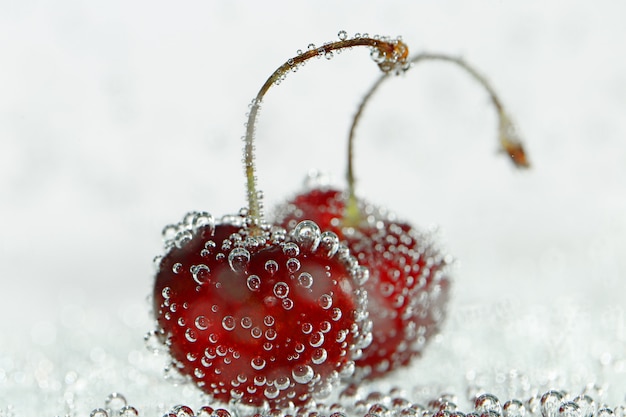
(390,55)
(507,134)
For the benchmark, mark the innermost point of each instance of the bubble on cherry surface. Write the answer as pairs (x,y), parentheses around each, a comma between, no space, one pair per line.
(253,282)
(302,374)
(305,280)
(238,259)
(271,266)
(258,363)
(308,235)
(281,290)
(229,323)
(329,243)
(293,265)
(200,273)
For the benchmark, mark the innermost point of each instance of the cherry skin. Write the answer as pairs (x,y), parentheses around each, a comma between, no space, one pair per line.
(408,287)
(271,320)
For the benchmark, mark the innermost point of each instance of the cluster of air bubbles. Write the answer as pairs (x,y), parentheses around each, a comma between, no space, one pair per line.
(115,404)
(356,401)
(179,234)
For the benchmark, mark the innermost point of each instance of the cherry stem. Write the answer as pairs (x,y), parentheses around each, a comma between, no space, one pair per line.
(507,133)
(389,54)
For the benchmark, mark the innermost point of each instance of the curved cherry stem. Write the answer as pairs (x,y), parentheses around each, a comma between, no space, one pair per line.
(507,133)
(390,55)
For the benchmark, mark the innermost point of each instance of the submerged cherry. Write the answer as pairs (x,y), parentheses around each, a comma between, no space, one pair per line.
(256,313)
(409,282)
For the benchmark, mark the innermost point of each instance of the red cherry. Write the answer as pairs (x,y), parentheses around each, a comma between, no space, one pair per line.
(273,319)
(408,286)
(256,314)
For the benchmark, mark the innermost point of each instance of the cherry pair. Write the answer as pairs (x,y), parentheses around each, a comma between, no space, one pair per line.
(275,314)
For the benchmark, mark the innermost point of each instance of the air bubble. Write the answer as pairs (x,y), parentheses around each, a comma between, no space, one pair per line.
(269,321)
(115,401)
(177,268)
(282,383)
(203,219)
(271,267)
(156,261)
(129,411)
(316,339)
(281,290)
(169,232)
(221,350)
(258,363)
(260,380)
(336,315)
(191,335)
(302,374)
(569,409)
(293,265)
(305,279)
(550,402)
(202,323)
(329,243)
(253,282)
(182,411)
(99,412)
(586,404)
(287,303)
(513,408)
(271,392)
(228,323)
(343,35)
(319,356)
(291,249)
(325,301)
(486,403)
(246,322)
(360,274)
(307,328)
(238,259)
(182,238)
(341,336)
(308,235)
(200,273)
(166,292)
(256,332)
(325,326)
(220,412)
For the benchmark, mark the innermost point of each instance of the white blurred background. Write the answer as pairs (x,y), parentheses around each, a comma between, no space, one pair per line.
(117,117)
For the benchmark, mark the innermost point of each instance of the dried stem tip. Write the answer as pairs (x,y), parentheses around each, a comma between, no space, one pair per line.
(390,55)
